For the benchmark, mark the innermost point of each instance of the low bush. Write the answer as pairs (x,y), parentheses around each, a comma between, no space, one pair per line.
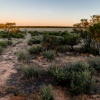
(11,35)
(30,72)
(50,54)
(23,56)
(62,49)
(46,93)
(95,63)
(78,77)
(35,40)
(51,42)
(5,43)
(35,50)
(17,35)
(34,33)
(71,39)
(58,74)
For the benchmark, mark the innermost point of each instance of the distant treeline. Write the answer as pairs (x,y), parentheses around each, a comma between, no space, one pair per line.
(45,26)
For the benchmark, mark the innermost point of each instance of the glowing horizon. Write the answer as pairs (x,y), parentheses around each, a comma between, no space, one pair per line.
(47,12)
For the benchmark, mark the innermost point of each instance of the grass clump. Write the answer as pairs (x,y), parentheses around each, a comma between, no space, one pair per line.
(62,49)
(80,78)
(1,50)
(23,56)
(30,72)
(50,54)
(35,50)
(58,74)
(95,63)
(5,43)
(35,40)
(46,93)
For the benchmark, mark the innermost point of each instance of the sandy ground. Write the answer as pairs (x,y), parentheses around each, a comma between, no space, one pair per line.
(7,61)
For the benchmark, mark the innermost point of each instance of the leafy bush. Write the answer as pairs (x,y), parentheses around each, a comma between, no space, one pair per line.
(3,34)
(54,40)
(62,49)
(58,73)
(23,56)
(11,35)
(71,39)
(50,54)
(5,43)
(1,50)
(35,50)
(34,33)
(95,63)
(55,33)
(46,93)
(30,72)
(35,40)
(78,77)
(17,35)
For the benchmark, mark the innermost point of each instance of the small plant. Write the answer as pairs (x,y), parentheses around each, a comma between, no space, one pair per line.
(4,44)
(95,63)
(35,50)
(50,54)
(1,50)
(46,93)
(58,73)
(23,56)
(80,78)
(34,33)
(17,35)
(62,49)
(35,40)
(30,72)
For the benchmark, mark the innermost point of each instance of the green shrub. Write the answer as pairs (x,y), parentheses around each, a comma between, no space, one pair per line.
(58,74)
(50,54)
(35,40)
(23,56)
(71,39)
(9,42)
(3,34)
(95,63)
(51,42)
(5,43)
(30,72)
(1,50)
(35,50)
(62,49)
(17,35)
(46,93)
(34,33)
(55,33)
(11,35)
(80,78)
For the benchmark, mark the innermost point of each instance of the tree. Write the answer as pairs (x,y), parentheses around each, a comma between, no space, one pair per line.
(9,28)
(90,31)
(95,34)
(72,39)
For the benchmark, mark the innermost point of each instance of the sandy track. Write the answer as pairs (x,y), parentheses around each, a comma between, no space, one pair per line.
(7,61)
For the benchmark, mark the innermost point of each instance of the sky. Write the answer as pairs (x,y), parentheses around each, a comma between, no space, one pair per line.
(47,12)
